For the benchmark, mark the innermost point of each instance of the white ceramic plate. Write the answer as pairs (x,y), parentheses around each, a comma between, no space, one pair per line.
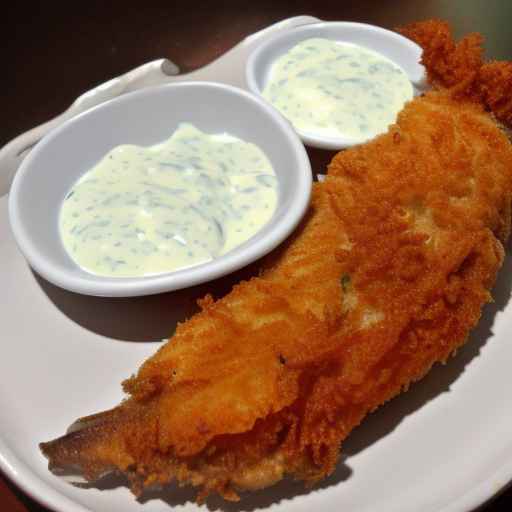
(445,446)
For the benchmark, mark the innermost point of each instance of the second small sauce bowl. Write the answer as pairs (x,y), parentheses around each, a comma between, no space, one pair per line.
(401,51)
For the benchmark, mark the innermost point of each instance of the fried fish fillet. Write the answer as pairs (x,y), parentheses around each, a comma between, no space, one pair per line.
(386,275)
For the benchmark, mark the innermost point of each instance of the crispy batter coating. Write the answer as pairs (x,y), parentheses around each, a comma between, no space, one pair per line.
(386,276)
(460,67)
(449,63)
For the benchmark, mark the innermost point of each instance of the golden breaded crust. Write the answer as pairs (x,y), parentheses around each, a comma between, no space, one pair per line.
(460,67)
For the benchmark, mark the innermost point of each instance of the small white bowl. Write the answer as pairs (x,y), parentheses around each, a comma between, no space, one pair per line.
(148,117)
(395,47)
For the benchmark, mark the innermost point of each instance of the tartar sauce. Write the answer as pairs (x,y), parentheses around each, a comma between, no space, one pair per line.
(149,210)
(337,89)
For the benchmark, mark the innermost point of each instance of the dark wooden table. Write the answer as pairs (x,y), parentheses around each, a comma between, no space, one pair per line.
(51,53)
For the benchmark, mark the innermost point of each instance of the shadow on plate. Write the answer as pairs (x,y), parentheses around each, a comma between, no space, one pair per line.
(150,318)
(174,496)
(284,490)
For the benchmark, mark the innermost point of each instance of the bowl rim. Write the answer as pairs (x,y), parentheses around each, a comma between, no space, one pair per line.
(319,141)
(239,257)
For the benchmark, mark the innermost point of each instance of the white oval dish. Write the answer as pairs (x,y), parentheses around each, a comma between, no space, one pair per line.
(402,51)
(145,118)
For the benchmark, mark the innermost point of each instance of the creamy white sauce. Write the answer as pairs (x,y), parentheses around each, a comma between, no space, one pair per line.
(149,210)
(336,89)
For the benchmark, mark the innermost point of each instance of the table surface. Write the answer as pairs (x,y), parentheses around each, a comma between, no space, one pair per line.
(53,53)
